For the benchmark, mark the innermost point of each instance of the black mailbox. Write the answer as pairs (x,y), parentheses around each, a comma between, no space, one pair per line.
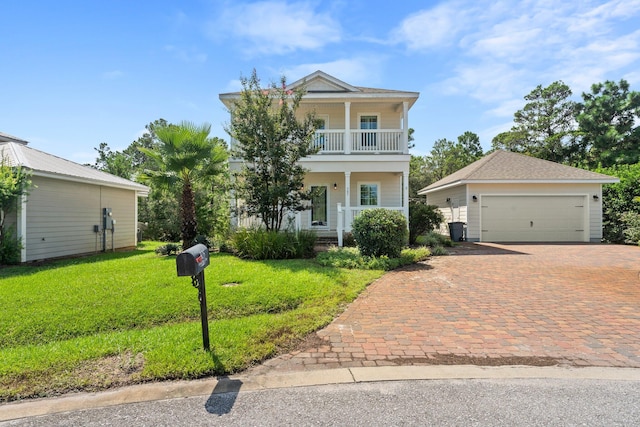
(192,261)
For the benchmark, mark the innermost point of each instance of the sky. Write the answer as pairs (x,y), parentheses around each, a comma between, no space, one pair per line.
(75,74)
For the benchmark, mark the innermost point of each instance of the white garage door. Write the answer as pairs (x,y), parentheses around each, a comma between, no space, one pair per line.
(533,219)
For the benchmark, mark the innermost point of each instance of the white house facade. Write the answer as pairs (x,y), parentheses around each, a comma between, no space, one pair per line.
(363,162)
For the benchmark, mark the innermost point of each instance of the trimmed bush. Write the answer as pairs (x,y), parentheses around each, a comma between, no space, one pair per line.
(380,232)
(422,218)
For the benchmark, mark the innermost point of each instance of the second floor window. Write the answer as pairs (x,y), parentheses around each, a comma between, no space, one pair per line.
(368,123)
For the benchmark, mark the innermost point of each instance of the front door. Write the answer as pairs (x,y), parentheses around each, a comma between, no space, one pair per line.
(319,217)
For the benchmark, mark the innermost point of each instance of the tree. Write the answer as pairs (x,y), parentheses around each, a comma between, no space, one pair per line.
(608,123)
(619,200)
(184,154)
(544,127)
(113,162)
(419,175)
(271,141)
(468,148)
(447,156)
(15,182)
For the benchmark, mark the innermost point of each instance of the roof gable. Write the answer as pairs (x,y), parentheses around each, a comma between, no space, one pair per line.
(320,81)
(320,86)
(509,167)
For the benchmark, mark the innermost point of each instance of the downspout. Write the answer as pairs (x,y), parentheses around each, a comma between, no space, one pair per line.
(22,226)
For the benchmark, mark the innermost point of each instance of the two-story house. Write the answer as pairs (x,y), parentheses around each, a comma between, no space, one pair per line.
(363,161)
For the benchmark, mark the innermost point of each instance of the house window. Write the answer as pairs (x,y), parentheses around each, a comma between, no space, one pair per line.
(369,195)
(320,136)
(319,206)
(368,122)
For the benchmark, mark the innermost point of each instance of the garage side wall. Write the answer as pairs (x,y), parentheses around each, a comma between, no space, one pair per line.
(454,209)
(594,206)
(61,216)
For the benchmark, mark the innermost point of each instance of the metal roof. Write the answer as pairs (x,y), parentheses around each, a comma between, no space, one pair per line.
(48,165)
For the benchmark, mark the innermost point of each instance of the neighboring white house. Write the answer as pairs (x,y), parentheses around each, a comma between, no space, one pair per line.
(510,197)
(67,211)
(364,159)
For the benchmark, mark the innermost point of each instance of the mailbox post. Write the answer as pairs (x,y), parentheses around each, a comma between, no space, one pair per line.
(192,262)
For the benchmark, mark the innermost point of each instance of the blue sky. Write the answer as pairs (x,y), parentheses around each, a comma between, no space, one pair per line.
(78,73)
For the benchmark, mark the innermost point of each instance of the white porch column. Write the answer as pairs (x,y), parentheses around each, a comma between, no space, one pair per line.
(347,193)
(21,227)
(347,127)
(340,225)
(405,194)
(405,127)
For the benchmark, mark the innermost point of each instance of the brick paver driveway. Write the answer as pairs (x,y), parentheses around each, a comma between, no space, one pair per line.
(491,304)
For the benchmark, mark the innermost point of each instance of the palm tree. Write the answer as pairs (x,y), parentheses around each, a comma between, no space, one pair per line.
(185,153)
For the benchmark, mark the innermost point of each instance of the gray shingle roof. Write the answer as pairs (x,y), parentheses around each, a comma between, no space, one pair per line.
(44,164)
(508,167)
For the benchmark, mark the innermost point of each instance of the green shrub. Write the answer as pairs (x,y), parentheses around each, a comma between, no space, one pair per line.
(619,198)
(422,218)
(433,239)
(631,229)
(168,249)
(10,247)
(438,251)
(348,240)
(380,232)
(205,240)
(353,259)
(261,244)
(305,243)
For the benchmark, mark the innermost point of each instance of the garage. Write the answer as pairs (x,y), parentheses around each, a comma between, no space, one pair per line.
(533,218)
(511,197)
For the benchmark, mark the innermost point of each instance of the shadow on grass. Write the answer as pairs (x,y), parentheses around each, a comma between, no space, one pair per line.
(37,266)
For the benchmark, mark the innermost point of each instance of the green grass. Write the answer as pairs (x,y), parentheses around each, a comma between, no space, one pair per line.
(119,318)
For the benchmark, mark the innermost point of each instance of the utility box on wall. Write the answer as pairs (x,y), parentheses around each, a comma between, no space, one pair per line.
(106,219)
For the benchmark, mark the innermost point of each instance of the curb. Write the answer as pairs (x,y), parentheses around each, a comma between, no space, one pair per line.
(234,384)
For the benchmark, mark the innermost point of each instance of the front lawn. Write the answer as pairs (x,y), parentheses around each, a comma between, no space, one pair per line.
(120,318)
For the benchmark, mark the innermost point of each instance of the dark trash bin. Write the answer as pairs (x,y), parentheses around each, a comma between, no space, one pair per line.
(456,231)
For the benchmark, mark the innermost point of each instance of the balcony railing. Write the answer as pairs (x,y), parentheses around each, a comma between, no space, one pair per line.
(362,141)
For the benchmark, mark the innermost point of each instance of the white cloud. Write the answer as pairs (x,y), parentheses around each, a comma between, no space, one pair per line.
(431,28)
(500,51)
(276,27)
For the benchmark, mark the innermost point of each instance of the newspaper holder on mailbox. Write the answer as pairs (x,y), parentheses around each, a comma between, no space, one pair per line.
(192,262)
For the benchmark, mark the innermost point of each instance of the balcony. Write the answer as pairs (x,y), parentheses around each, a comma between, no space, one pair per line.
(332,141)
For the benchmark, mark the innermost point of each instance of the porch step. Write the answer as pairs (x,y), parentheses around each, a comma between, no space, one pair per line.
(327,240)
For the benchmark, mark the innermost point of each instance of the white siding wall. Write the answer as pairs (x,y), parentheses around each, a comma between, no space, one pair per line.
(61,216)
(389,118)
(453,210)
(594,212)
